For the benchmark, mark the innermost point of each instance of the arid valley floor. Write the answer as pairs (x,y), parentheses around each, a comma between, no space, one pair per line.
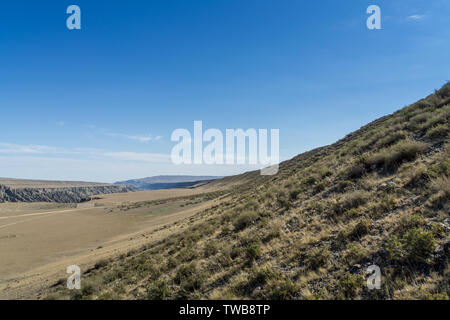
(38,241)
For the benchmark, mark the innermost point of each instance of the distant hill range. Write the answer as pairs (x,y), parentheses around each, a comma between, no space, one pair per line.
(167,182)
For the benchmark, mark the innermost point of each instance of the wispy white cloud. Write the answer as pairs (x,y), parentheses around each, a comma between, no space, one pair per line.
(98,170)
(27,150)
(144,138)
(10,148)
(138,156)
(415,17)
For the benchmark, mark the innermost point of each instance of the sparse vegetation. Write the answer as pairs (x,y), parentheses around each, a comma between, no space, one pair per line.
(378,196)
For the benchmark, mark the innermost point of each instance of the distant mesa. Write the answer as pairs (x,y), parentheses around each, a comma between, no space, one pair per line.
(167,182)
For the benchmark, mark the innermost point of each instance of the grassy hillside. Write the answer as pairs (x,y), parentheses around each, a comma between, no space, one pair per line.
(378,196)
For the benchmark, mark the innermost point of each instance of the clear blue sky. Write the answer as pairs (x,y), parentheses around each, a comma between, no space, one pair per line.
(100,103)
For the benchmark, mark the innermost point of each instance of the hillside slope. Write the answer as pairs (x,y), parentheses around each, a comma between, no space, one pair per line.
(378,196)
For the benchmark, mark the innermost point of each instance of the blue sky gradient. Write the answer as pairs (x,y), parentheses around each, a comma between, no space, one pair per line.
(100,103)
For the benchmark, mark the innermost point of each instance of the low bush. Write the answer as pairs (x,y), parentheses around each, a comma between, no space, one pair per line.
(360,229)
(349,284)
(317,257)
(253,251)
(441,193)
(184,272)
(355,171)
(354,254)
(193,283)
(294,194)
(158,290)
(319,187)
(244,220)
(440,131)
(351,200)
(391,158)
(391,139)
(409,222)
(257,278)
(210,249)
(416,246)
(101,264)
(309,181)
(343,186)
(280,289)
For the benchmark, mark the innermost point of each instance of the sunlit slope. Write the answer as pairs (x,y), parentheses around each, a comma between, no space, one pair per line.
(378,196)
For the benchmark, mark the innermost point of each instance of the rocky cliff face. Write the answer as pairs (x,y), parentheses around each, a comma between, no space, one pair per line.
(60,195)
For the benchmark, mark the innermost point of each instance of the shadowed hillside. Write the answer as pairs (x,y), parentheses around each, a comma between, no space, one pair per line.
(378,196)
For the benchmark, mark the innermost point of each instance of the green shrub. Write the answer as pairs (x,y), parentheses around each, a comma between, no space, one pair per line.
(343,185)
(257,278)
(318,257)
(441,116)
(353,213)
(172,263)
(361,228)
(351,200)
(417,177)
(386,204)
(210,249)
(440,131)
(391,158)
(193,283)
(294,194)
(319,187)
(244,220)
(442,168)
(394,250)
(391,139)
(102,263)
(187,254)
(441,192)
(354,254)
(113,275)
(349,284)
(309,181)
(158,291)
(253,251)
(184,272)
(438,230)
(418,245)
(355,171)
(420,118)
(280,289)
(409,222)
(326,173)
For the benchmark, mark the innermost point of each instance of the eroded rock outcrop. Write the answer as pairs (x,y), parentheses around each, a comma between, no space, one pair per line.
(60,195)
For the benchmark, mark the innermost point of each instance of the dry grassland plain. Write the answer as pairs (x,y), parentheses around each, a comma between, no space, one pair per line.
(38,241)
